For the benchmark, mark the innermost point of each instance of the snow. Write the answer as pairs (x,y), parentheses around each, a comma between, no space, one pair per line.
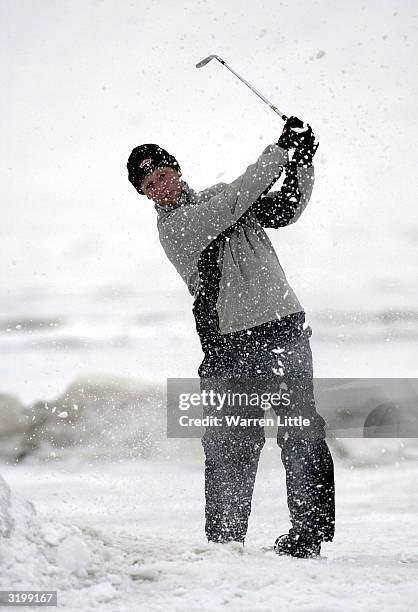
(6,521)
(33,551)
(73,554)
(121,536)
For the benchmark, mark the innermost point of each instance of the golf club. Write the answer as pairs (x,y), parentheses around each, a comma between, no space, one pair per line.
(211,57)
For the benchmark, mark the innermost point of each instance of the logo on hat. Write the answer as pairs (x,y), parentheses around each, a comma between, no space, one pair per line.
(147,160)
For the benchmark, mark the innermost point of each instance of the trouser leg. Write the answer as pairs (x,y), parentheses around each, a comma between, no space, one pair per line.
(231,462)
(310,487)
(304,452)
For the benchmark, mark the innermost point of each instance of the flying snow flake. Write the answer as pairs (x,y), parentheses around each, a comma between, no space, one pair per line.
(320,54)
(63,415)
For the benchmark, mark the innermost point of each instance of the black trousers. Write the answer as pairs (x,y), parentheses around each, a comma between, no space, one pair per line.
(261,362)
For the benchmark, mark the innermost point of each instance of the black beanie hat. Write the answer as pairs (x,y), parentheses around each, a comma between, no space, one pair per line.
(145,159)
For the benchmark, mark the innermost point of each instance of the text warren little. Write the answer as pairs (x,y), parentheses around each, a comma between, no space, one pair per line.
(237,421)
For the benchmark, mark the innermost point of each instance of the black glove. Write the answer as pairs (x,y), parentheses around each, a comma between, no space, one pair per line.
(290,138)
(303,155)
(303,141)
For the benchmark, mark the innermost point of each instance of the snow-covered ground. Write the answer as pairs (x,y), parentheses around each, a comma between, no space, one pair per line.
(129,536)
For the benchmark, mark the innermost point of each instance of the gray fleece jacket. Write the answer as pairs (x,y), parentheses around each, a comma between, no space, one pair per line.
(253,288)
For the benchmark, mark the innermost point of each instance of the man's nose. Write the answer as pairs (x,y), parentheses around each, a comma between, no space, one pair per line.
(164,186)
(161,192)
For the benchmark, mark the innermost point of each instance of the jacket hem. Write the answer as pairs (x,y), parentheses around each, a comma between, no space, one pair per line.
(257,322)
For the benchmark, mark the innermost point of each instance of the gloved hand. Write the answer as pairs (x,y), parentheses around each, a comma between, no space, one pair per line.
(299,136)
(303,154)
(293,130)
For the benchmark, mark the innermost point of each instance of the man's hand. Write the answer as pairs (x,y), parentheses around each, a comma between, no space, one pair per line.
(293,131)
(303,155)
(299,136)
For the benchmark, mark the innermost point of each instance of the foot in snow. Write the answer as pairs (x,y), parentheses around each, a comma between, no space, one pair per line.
(228,545)
(297,545)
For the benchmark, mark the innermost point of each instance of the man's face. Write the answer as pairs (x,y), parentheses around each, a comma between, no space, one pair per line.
(164,186)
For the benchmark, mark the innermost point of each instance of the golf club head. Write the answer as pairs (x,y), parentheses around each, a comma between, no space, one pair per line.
(207,60)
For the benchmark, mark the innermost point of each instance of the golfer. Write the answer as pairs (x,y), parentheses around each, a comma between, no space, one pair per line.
(251,327)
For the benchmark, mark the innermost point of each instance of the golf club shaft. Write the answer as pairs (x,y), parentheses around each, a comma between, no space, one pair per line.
(276,110)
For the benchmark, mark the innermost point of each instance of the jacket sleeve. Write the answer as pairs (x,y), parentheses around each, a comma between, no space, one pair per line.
(192,229)
(284,207)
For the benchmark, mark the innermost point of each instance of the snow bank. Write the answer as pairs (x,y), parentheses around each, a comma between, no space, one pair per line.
(33,555)
(6,521)
(38,555)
